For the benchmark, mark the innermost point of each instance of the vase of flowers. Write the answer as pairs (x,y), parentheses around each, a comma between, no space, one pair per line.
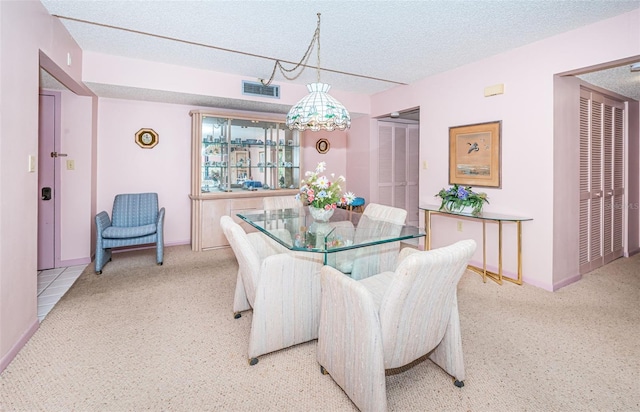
(462,199)
(320,215)
(322,194)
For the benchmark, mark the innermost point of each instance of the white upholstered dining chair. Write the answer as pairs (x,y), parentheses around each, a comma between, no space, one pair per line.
(363,262)
(282,288)
(280,202)
(392,319)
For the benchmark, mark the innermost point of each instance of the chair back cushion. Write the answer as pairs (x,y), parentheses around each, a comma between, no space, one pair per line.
(247,256)
(385,213)
(416,307)
(376,220)
(280,202)
(135,209)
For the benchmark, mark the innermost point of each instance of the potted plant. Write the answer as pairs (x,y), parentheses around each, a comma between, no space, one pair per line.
(462,199)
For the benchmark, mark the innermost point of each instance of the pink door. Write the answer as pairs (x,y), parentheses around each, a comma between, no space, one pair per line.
(46,183)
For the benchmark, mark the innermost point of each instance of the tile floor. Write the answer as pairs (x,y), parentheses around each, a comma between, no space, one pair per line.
(52,284)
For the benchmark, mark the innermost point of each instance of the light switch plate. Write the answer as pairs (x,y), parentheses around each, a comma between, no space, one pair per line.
(32,164)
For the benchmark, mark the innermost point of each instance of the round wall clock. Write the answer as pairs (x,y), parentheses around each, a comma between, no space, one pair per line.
(322,146)
(146,138)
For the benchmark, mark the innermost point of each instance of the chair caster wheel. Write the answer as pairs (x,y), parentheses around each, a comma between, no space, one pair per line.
(323,370)
(458,383)
(253,361)
(237,315)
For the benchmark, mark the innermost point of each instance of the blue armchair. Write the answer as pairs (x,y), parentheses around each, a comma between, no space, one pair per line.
(136,220)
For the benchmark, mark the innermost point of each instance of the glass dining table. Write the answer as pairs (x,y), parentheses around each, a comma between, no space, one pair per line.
(296,230)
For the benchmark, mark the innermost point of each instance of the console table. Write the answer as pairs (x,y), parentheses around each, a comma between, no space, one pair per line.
(430,210)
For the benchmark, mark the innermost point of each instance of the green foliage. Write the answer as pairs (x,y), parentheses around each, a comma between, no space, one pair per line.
(457,197)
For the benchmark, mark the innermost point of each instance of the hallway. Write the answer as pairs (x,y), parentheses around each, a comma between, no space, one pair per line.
(53,284)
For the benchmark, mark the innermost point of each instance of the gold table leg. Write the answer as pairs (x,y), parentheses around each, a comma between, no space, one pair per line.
(518,281)
(484,252)
(427,223)
(496,277)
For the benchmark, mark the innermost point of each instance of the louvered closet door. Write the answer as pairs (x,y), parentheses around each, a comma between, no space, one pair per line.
(613,184)
(398,167)
(385,164)
(601,180)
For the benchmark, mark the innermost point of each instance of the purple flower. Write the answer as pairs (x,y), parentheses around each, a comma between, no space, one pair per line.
(462,193)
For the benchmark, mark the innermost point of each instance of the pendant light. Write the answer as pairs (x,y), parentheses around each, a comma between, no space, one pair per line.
(318,110)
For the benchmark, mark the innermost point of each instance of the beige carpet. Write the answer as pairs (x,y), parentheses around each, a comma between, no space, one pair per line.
(163,338)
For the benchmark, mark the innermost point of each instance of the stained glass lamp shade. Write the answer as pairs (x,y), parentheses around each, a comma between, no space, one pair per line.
(318,111)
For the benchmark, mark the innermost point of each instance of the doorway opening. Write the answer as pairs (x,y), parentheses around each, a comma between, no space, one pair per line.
(48,180)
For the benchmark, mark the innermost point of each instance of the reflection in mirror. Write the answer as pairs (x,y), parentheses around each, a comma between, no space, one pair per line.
(248,154)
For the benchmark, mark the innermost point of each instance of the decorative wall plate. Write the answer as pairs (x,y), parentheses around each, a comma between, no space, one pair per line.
(322,146)
(146,138)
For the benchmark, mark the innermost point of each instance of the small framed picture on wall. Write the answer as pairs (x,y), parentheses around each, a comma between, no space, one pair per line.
(322,146)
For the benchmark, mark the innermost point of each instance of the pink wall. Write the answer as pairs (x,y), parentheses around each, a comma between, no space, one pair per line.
(115,70)
(76,214)
(25,29)
(124,167)
(359,161)
(335,158)
(526,110)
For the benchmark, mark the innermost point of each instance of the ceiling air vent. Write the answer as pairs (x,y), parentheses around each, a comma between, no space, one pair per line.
(258,89)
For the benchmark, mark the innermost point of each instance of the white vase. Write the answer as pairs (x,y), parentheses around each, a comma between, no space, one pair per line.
(466,210)
(320,215)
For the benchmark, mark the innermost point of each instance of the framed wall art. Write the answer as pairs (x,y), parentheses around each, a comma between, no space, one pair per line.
(474,154)
(146,138)
(322,146)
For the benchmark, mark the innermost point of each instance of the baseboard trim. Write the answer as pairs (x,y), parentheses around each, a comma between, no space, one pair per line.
(6,359)
(75,262)
(566,282)
(148,246)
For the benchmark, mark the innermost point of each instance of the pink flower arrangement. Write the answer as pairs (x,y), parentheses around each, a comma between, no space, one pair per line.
(319,191)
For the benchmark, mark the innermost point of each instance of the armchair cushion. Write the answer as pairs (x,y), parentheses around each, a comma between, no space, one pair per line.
(377,286)
(117,232)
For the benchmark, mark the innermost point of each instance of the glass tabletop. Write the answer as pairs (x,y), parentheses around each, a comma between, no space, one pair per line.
(482,215)
(296,230)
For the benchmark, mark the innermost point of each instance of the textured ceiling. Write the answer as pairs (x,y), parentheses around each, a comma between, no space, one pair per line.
(618,79)
(398,41)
